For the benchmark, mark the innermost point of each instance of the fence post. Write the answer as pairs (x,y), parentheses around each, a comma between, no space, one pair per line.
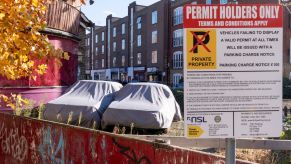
(230,151)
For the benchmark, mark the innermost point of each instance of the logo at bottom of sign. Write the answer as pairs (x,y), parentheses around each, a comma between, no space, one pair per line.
(194,131)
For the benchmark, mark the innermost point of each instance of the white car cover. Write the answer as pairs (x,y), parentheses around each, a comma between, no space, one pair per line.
(147,105)
(87,98)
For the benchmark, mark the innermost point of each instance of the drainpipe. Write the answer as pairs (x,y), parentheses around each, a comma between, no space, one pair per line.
(92,48)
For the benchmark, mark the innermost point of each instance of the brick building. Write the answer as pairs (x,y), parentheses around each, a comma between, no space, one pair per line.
(147,45)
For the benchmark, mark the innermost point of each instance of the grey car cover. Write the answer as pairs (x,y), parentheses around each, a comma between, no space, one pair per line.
(147,105)
(86,99)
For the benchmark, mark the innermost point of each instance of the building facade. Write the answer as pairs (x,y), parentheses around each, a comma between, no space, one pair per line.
(147,45)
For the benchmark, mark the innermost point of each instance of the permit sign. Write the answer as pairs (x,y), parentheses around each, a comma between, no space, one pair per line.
(233,59)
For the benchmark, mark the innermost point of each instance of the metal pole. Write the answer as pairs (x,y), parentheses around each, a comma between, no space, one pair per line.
(92,49)
(230,151)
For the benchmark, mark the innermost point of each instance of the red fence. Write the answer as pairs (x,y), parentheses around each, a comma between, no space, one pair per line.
(24,140)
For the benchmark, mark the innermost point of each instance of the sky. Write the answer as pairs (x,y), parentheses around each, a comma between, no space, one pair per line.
(98,12)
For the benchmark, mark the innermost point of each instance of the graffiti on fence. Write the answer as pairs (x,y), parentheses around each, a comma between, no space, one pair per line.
(12,143)
(50,149)
(92,145)
(130,154)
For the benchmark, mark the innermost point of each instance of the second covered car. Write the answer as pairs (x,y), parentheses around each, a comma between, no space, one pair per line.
(146,105)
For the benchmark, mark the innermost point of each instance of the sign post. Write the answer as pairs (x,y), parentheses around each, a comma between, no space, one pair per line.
(233,59)
(230,151)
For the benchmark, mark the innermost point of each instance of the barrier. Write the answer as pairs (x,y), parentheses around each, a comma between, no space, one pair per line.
(26,140)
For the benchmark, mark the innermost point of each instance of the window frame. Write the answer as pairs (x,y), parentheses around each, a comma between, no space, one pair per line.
(178,38)
(103,49)
(123,28)
(138,22)
(138,58)
(154,37)
(154,17)
(154,57)
(139,41)
(114,46)
(123,44)
(103,63)
(176,78)
(122,60)
(103,36)
(114,62)
(177,60)
(178,16)
(114,32)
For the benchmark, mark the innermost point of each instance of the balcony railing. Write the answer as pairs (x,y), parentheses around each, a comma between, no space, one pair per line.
(64,17)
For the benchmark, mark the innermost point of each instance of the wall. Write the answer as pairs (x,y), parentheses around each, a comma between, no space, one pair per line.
(24,140)
(65,75)
(48,86)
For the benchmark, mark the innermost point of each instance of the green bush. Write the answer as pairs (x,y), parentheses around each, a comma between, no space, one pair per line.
(286,135)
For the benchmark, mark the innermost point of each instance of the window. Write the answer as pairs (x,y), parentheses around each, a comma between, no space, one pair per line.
(139,40)
(114,62)
(114,46)
(123,61)
(178,60)
(223,1)
(96,64)
(178,16)
(139,58)
(138,21)
(103,63)
(96,50)
(123,28)
(176,79)
(96,76)
(154,56)
(123,44)
(178,38)
(194,3)
(102,36)
(96,39)
(102,49)
(114,32)
(154,17)
(154,36)
(87,41)
(208,2)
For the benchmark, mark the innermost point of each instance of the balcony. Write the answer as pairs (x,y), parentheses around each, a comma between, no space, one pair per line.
(64,17)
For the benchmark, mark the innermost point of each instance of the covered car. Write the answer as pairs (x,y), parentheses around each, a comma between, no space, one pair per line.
(146,105)
(83,103)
